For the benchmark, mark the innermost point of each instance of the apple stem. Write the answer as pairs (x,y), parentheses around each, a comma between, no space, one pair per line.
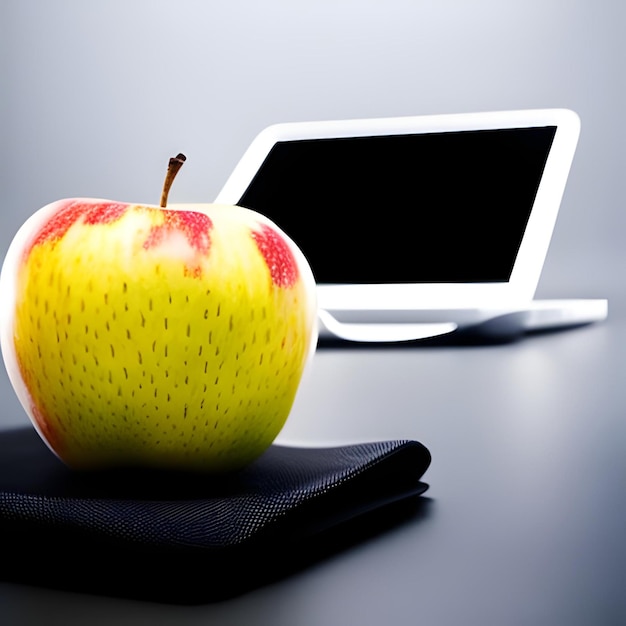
(174,165)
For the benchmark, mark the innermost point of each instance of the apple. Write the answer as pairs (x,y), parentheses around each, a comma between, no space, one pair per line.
(170,337)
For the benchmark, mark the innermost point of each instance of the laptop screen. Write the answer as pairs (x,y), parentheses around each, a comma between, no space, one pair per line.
(436,207)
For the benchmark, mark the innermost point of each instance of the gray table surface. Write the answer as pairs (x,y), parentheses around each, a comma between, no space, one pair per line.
(526,508)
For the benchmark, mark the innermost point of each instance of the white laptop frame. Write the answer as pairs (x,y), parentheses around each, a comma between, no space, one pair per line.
(536,240)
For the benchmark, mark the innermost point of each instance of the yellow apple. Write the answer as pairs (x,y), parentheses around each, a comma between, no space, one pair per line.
(156,336)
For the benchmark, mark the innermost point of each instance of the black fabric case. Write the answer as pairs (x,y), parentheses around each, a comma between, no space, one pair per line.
(191,538)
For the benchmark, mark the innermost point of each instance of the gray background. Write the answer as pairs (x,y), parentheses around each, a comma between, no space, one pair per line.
(96,96)
(527,508)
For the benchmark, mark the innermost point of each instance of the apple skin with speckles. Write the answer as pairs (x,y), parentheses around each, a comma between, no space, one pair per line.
(144,336)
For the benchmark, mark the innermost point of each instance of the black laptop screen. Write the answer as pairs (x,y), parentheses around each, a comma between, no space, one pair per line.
(434,208)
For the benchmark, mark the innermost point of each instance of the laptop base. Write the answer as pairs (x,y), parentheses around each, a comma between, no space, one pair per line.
(396,326)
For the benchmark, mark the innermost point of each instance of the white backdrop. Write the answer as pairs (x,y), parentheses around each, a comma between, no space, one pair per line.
(96,96)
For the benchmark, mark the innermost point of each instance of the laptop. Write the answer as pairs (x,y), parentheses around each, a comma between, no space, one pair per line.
(421,226)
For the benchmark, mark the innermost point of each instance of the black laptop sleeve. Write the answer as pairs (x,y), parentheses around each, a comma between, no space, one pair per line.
(190,538)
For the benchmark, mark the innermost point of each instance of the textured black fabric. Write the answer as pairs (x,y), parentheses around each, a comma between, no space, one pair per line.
(188,538)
